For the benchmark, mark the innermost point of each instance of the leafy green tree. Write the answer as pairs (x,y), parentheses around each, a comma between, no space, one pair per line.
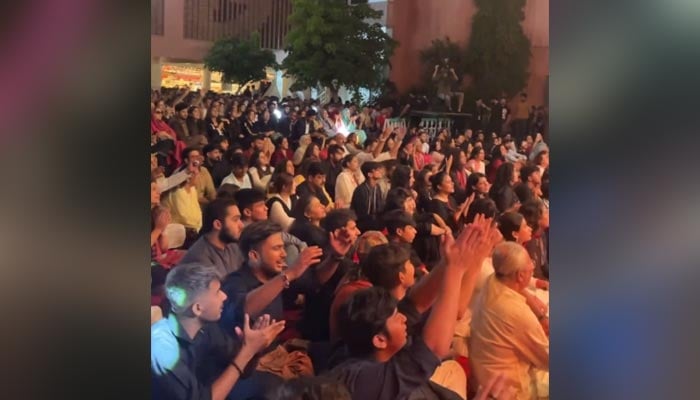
(498,54)
(240,60)
(333,44)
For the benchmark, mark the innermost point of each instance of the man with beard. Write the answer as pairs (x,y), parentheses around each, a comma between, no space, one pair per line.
(217,246)
(214,162)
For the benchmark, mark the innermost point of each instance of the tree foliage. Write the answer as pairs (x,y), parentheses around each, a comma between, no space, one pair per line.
(333,44)
(240,60)
(498,54)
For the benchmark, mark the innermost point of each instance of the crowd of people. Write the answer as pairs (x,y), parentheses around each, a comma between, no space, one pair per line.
(302,250)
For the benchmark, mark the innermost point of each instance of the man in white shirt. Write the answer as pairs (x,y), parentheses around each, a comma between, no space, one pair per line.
(506,336)
(239,174)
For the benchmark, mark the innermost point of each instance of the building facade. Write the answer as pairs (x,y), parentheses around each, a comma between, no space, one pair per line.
(183,31)
(415,23)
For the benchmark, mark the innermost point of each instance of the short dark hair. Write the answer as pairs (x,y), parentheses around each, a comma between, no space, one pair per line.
(238,160)
(527,170)
(256,233)
(363,316)
(187,150)
(369,166)
(211,147)
(397,219)
(508,223)
(227,191)
(216,210)
(383,264)
(247,197)
(338,219)
(396,198)
(315,168)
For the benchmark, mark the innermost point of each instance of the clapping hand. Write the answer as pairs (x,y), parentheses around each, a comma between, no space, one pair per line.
(261,334)
(465,206)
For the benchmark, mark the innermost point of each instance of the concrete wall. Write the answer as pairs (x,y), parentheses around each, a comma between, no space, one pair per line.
(415,23)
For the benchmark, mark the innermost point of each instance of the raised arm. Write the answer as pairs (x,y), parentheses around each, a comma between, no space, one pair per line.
(439,329)
(259,298)
(485,247)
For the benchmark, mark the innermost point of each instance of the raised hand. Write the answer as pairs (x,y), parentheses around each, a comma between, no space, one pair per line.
(309,256)
(340,241)
(258,337)
(465,206)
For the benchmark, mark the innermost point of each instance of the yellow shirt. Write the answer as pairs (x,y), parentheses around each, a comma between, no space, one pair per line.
(205,185)
(184,207)
(506,337)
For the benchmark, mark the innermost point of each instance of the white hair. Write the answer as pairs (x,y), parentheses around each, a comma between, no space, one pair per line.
(509,258)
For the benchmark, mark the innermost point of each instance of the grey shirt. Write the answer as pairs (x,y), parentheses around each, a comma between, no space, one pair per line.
(226,261)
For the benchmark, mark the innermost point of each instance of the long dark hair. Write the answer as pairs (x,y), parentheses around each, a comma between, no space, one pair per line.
(504,175)
(420,184)
(401,177)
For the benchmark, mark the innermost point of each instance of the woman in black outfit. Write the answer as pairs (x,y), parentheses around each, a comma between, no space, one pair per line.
(443,203)
(422,188)
(502,191)
(308,213)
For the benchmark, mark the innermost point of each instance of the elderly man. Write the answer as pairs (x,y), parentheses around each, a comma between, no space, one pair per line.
(506,335)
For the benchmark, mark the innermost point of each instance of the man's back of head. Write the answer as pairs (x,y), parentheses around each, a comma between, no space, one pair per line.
(385,266)
(362,317)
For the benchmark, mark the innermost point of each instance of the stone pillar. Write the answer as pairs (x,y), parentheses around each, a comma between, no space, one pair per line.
(206,80)
(156,71)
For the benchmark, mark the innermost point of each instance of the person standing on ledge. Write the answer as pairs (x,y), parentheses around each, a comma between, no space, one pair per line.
(445,76)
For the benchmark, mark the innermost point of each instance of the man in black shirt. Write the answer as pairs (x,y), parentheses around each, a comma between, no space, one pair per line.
(191,357)
(384,364)
(332,167)
(530,185)
(179,124)
(367,200)
(314,185)
(265,126)
(250,130)
(213,161)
